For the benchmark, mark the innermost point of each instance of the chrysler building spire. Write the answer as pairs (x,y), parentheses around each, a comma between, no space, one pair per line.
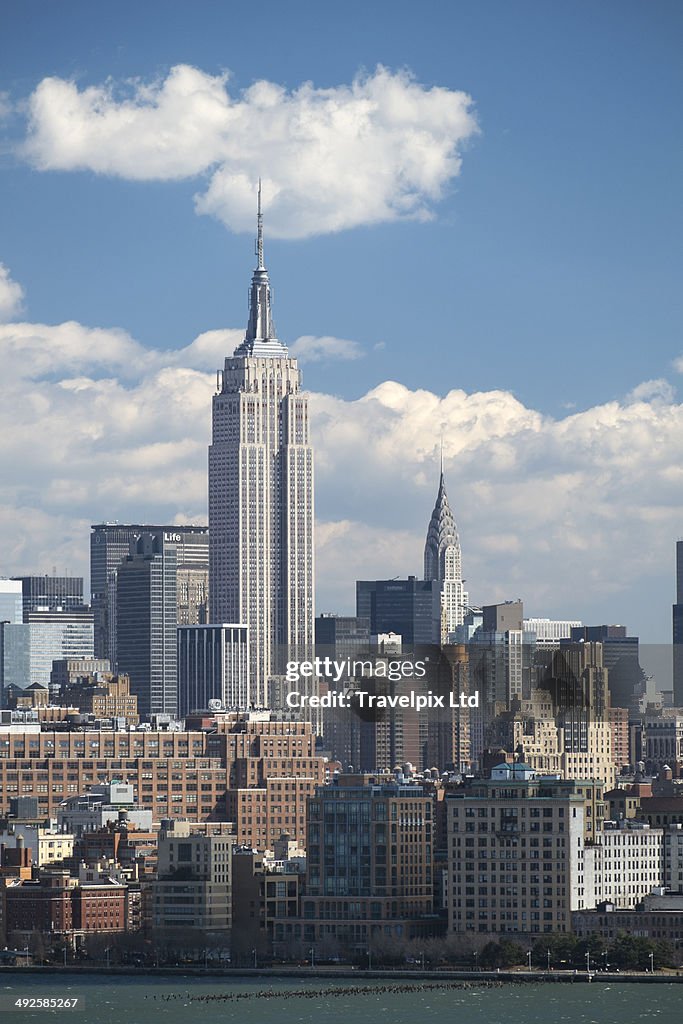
(260,338)
(443,564)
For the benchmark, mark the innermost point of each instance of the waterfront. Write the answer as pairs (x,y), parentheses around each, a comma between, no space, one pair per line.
(143,1000)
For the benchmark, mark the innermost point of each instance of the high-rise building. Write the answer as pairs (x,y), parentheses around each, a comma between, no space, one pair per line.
(261,492)
(213,664)
(11,601)
(398,606)
(110,544)
(15,660)
(620,658)
(678,628)
(51,594)
(346,633)
(54,635)
(147,624)
(443,564)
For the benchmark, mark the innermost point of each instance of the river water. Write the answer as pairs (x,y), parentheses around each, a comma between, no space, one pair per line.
(147,1000)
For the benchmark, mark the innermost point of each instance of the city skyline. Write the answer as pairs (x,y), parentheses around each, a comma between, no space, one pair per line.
(557,404)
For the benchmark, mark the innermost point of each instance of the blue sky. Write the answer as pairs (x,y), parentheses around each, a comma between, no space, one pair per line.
(550,269)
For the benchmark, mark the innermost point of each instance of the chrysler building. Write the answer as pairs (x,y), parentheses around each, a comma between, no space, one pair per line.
(261,493)
(443,563)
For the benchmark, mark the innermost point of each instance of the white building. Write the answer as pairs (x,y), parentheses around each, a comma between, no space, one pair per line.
(549,632)
(261,492)
(630,863)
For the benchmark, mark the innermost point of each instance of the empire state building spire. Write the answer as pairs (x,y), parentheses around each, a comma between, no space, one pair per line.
(260,338)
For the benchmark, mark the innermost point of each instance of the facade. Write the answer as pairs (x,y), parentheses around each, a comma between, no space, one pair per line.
(193,890)
(520,852)
(50,593)
(11,606)
(663,737)
(369,868)
(103,804)
(618,720)
(677,632)
(549,632)
(261,813)
(261,493)
(68,671)
(660,917)
(398,606)
(55,635)
(630,863)
(15,656)
(173,774)
(57,906)
(265,895)
(443,565)
(147,624)
(619,657)
(47,845)
(213,664)
(110,544)
(104,696)
(346,633)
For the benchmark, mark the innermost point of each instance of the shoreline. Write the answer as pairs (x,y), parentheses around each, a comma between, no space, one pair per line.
(237,974)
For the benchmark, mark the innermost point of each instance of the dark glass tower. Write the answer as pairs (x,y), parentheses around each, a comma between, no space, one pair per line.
(147,624)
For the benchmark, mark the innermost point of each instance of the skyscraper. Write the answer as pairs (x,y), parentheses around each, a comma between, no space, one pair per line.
(397,606)
(147,624)
(443,563)
(261,492)
(678,628)
(110,544)
(51,593)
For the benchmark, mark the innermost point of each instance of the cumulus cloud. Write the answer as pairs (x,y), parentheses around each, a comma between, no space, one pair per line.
(382,148)
(11,295)
(568,513)
(309,349)
(659,390)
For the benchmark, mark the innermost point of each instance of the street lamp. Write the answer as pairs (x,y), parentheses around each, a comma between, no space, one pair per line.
(528,956)
(422,958)
(548,959)
(253,953)
(311,953)
(652,963)
(369,959)
(588,960)
(475,955)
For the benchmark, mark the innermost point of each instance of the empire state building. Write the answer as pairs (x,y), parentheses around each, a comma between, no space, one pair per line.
(261,492)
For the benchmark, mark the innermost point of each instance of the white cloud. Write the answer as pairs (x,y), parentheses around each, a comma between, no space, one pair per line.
(653,391)
(383,148)
(572,514)
(309,349)
(11,295)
